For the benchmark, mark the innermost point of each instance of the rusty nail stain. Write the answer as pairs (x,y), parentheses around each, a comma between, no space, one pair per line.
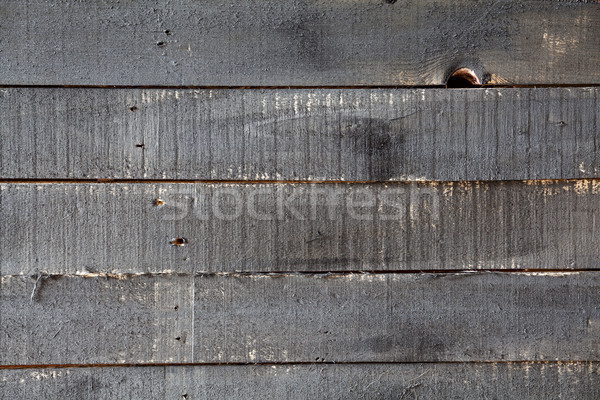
(179,242)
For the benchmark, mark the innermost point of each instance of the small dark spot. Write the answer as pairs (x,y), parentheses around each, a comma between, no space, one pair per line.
(179,242)
(167,32)
(176,308)
(133,108)
(158,202)
(561,123)
(463,78)
(178,338)
(161,44)
(390,1)
(141,145)
(382,142)
(185,396)
(522,131)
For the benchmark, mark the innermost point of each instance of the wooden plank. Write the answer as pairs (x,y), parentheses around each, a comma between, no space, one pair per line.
(266,42)
(84,383)
(301,318)
(95,320)
(463,380)
(326,134)
(133,228)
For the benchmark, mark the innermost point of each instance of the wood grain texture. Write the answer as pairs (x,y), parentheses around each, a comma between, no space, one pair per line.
(325,134)
(391,381)
(267,42)
(129,228)
(301,318)
(95,320)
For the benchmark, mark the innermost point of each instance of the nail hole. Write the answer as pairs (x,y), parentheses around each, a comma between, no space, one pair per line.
(160,44)
(185,396)
(167,32)
(463,78)
(390,1)
(176,308)
(158,202)
(133,108)
(178,338)
(179,241)
(141,145)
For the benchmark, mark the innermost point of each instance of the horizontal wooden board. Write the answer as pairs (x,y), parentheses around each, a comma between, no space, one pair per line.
(364,381)
(133,228)
(326,134)
(267,42)
(240,318)
(95,320)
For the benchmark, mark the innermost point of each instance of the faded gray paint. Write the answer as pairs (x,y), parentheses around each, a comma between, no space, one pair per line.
(107,227)
(268,42)
(301,318)
(388,381)
(332,134)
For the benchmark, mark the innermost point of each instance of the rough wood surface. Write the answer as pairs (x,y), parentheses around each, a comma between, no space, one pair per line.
(95,320)
(300,318)
(366,381)
(325,134)
(267,42)
(132,228)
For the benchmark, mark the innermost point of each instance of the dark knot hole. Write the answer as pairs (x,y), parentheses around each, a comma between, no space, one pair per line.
(463,78)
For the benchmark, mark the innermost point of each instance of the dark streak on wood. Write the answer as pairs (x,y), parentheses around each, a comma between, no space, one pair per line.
(304,135)
(269,43)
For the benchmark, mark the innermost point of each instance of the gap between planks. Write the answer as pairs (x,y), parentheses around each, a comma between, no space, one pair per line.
(291,363)
(175,87)
(284,182)
(317,274)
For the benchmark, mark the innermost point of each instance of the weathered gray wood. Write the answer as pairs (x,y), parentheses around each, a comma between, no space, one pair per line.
(365,381)
(267,42)
(84,320)
(301,318)
(107,227)
(84,383)
(353,135)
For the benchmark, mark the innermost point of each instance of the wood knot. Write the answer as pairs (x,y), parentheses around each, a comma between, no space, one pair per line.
(463,78)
